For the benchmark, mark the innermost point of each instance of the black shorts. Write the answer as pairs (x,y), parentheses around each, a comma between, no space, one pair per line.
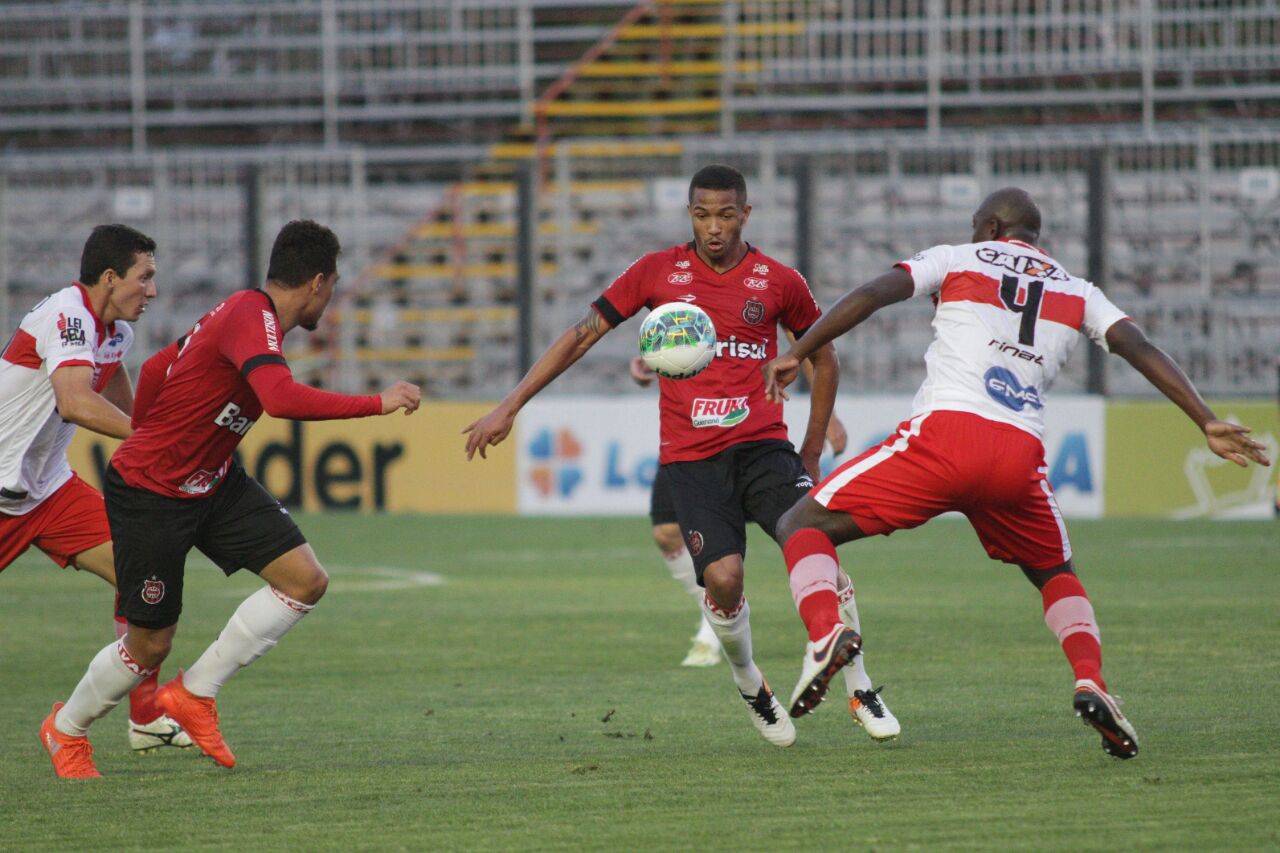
(662,510)
(715,497)
(239,526)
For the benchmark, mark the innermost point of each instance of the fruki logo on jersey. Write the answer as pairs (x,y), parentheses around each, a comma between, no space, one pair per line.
(1003,387)
(723,412)
(557,468)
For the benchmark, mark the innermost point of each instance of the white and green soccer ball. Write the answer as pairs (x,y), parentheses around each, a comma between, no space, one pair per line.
(677,340)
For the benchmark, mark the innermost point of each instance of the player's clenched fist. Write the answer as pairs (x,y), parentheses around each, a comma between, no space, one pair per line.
(401,395)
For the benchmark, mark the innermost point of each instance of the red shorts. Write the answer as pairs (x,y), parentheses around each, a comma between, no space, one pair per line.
(994,473)
(68,522)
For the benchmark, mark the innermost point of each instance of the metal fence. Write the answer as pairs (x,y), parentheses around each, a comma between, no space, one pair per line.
(1192,247)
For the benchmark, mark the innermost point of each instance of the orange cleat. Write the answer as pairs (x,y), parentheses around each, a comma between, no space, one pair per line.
(198,715)
(72,756)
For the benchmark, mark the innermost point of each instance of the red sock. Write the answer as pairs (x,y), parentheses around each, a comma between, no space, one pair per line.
(1069,615)
(813,567)
(142,699)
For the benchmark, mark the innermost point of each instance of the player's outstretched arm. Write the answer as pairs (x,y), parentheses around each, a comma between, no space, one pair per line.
(837,435)
(1228,440)
(494,427)
(79,404)
(851,309)
(282,397)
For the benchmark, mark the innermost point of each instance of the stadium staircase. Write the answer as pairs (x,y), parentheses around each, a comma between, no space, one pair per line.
(438,306)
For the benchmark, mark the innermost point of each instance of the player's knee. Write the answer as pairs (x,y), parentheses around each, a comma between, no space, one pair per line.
(723,581)
(148,648)
(668,538)
(314,586)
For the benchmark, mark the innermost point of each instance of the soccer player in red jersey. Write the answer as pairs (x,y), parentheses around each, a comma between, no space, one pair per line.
(174,485)
(723,447)
(64,368)
(1008,316)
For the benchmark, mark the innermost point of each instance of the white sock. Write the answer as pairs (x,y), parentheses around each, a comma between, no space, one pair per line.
(706,634)
(734,632)
(253,630)
(680,564)
(855,674)
(111,675)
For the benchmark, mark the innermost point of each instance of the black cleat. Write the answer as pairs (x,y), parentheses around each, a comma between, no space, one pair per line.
(1099,710)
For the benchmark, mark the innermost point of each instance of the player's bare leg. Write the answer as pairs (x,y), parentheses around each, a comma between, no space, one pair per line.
(705,650)
(295,583)
(1069,615)
(727,610)
(149,728)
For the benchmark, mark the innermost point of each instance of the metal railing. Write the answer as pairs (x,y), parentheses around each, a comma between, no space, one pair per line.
(150,73)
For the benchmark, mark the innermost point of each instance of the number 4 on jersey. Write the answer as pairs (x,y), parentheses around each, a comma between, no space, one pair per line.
(1024,300)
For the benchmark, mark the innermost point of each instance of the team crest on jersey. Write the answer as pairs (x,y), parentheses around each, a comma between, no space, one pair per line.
(682,265)
(753,312)
(152,591)
(695,542)
(200,482)
(760,269)
(756,283)
(70,330)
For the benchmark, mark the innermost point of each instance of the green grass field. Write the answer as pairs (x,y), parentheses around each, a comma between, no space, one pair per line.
(532,700)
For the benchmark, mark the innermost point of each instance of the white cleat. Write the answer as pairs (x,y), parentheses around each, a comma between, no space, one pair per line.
(870,712)
(702,653)
(162,731)
(822,660)
(769,717)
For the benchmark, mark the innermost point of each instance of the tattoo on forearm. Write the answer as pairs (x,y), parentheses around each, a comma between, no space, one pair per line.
(588,325)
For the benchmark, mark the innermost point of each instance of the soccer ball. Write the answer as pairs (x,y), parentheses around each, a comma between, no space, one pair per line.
(677,340)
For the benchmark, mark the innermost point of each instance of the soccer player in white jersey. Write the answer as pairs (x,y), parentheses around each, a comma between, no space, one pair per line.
(64,368)
(1008,316)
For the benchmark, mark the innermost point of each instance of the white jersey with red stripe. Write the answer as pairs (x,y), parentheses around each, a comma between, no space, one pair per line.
(59,332)
(1008,317)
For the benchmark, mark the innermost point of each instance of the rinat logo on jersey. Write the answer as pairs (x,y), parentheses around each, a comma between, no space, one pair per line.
(1015,352)
(734,348)
(1021,264)
(1005,389)
(680,277)
(228,418)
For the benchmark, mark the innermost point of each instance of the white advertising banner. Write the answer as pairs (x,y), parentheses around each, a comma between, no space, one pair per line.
(598,455)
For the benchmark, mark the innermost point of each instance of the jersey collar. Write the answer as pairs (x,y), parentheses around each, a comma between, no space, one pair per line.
(270,301)
(99,327)
(1020,243)
(693,250)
